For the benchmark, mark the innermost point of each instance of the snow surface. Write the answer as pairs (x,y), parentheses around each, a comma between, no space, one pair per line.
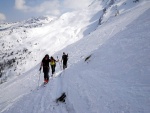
(115,78)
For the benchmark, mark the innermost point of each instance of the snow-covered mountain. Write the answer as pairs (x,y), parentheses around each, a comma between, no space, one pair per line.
(108,69)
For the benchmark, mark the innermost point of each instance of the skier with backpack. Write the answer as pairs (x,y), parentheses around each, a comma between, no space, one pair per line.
(53,64)
(45,64)
(64,59)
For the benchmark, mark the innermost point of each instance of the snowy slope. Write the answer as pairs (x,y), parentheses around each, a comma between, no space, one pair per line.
(24,44)
(115,79)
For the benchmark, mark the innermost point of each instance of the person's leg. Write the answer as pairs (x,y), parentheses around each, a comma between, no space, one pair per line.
(64,64)
(46,74)
(52,67)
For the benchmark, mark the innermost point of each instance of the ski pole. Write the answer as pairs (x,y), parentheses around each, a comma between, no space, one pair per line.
(59,63)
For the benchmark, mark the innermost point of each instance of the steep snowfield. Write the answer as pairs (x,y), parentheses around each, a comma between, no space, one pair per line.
(115,79)
(32,41)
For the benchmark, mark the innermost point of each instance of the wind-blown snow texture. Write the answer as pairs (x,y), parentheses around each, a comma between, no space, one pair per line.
(113,34)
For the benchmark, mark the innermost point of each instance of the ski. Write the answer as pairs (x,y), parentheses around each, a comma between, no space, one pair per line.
(45,83)
(42,85)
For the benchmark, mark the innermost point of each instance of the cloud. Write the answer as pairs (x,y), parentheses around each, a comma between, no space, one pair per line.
(20,5)
(47,7)
(77,4)
(2,17)
(54,7)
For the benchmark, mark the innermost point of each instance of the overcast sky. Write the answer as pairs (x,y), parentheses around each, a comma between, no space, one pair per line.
(17,10)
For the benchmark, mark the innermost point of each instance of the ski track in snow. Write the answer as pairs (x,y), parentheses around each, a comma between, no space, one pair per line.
(43,99)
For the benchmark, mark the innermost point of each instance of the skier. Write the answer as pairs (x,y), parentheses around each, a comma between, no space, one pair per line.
(53,64)
(64,59)
(45,64)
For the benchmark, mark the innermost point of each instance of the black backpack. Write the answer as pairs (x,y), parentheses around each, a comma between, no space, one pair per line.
(65,57)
